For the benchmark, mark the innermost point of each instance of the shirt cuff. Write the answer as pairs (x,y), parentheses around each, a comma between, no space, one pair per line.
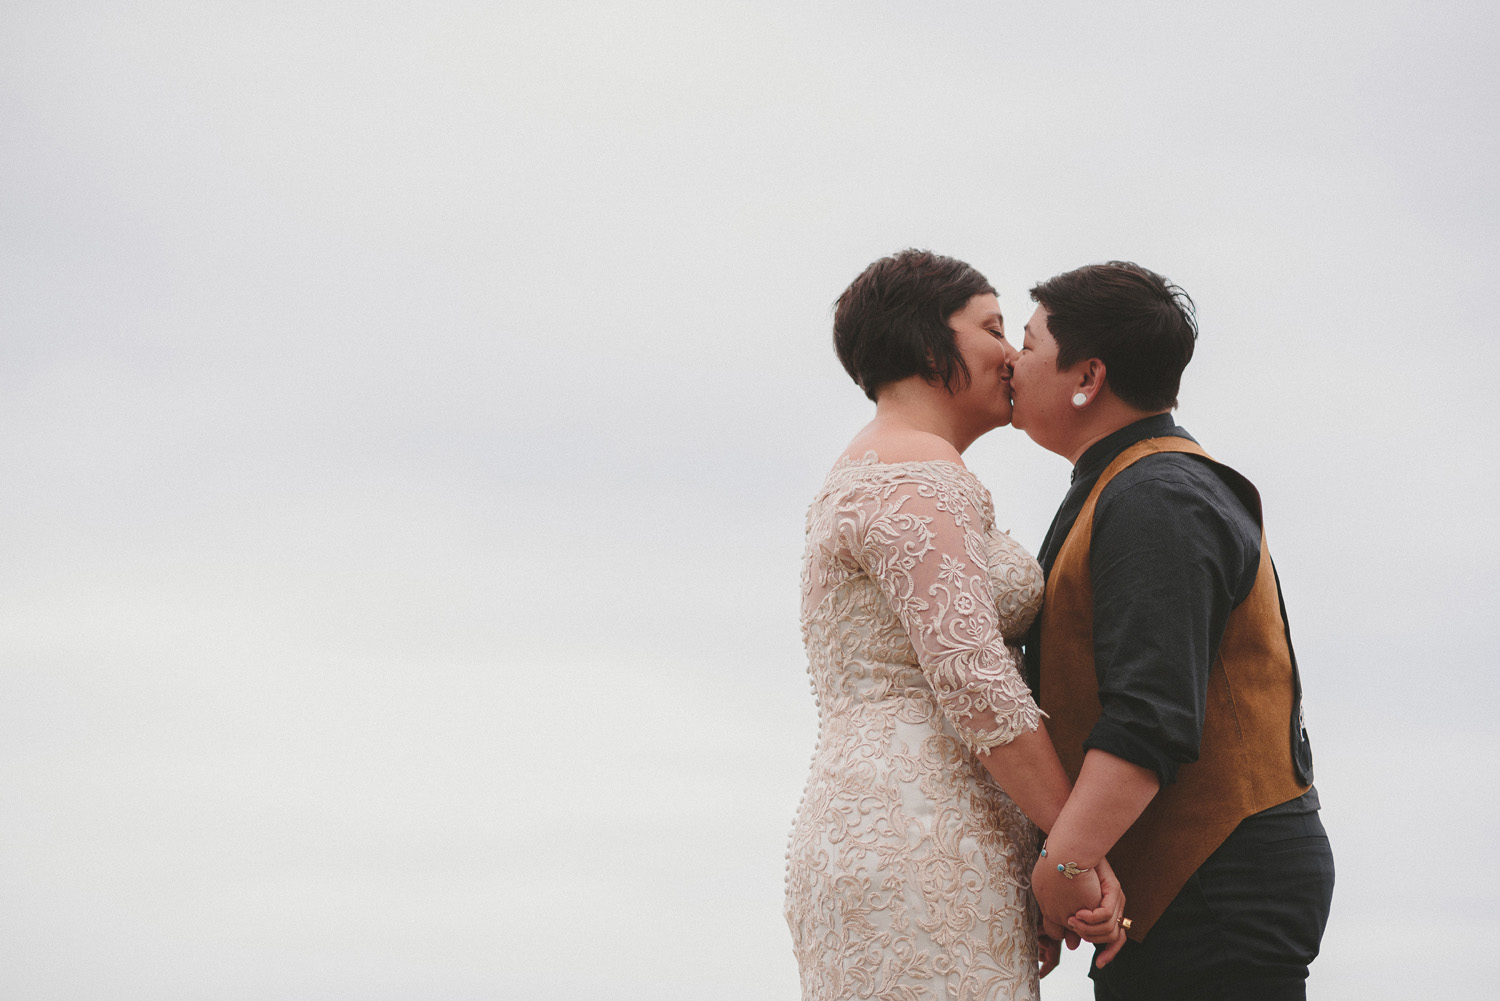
(1115,739)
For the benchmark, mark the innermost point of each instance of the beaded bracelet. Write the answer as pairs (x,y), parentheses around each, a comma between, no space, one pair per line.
(1068,869)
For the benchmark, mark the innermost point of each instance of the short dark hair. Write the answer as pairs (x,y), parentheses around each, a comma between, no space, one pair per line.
(1135,321)
(892,321)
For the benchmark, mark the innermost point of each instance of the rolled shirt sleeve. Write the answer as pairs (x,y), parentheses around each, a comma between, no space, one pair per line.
(1173,551)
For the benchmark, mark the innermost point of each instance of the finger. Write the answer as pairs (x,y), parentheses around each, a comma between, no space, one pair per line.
(1093,930)
(1097,916)
(1048,953)
(1053,930)
(1111,951)
(1072,939)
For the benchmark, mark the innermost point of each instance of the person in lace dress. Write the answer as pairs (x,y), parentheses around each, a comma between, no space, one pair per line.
(910,859)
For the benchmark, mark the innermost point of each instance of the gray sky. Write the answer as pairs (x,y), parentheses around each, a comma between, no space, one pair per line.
(409,412)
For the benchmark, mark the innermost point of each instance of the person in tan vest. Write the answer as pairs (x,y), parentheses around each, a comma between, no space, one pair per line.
(1163,659)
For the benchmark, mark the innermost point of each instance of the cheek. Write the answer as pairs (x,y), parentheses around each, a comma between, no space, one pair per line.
(1032,374)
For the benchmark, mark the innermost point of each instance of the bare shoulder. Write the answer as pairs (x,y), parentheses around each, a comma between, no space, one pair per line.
(902,445)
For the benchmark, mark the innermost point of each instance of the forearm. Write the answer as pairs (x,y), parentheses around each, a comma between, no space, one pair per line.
(1110,795)
(1029,771)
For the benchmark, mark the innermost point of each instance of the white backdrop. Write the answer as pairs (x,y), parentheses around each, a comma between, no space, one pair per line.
(408,411)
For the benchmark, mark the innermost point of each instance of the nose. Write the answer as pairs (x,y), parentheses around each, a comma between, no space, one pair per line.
(1011,354)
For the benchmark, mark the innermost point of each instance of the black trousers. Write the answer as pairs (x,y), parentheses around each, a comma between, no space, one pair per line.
(1246,925)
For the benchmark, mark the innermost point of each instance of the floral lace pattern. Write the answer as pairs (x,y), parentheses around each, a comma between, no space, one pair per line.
(908,869)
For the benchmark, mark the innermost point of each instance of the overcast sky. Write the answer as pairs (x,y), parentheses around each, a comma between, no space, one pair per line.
(408,412)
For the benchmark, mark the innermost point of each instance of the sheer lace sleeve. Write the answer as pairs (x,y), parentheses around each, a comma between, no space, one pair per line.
(922,541)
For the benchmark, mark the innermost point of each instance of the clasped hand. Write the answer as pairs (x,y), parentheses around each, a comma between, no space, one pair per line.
(1088,907)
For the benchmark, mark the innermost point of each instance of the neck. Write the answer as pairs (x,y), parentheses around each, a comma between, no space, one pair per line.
(1102,418)
(914,405)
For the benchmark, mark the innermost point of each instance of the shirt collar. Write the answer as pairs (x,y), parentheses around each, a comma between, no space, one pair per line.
(1102,452)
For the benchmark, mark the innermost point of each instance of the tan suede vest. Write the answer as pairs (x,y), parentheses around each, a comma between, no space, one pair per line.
(1245,760)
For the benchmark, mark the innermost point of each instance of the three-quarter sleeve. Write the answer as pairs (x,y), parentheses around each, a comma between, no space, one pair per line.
(924,546)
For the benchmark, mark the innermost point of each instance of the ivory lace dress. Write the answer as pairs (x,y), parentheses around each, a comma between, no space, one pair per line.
(908,873)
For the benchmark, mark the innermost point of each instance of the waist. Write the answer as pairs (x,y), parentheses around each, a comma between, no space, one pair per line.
(892,699)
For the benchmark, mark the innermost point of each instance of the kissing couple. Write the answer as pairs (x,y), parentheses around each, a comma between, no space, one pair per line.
(1101,743)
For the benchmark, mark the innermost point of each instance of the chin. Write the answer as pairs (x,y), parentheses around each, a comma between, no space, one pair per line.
(1020,420)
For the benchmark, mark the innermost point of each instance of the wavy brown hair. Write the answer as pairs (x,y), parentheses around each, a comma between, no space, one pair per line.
(892,321)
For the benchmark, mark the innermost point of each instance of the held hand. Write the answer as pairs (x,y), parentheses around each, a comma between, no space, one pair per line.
(1060,897)
(1101,925)
(1053,930)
